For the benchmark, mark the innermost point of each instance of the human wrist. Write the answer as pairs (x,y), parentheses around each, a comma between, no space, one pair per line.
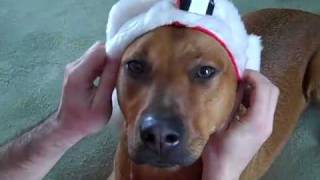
(63,134)
(74,126)
(214,170)
(226,175)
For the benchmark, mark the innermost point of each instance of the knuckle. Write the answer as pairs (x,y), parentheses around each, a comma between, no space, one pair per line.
(264,129)
(276,90)
(69,77)
(266,81)
(70,80)
(273,89)
(68,69)
(268,131)
(100,44)
(265,85)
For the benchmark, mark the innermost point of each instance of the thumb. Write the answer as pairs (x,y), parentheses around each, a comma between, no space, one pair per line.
(103,97)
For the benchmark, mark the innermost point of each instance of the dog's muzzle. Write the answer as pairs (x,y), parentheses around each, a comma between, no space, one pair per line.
(163,140)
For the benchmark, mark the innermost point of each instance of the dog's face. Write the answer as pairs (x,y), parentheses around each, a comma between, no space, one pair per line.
(176,87)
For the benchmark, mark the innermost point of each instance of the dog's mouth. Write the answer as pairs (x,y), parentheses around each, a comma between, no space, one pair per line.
(178,157)
(162,164)
(161,140)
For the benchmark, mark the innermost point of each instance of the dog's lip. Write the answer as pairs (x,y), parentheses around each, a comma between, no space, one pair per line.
(161,164)
(158,162)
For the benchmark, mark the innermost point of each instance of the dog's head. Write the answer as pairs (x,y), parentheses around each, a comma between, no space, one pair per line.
(176,87)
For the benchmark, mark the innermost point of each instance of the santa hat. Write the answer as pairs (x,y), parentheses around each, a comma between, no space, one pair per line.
(129,19)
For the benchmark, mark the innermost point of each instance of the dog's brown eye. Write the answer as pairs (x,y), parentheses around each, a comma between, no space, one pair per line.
(136,67)
(205,72)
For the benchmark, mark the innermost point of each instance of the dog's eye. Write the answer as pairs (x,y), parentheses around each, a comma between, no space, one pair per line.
(205,72)
(136,67)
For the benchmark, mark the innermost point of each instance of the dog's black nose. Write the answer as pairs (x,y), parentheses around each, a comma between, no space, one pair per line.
(161,133)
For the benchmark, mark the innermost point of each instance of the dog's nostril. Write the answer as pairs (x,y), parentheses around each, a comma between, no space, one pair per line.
(161,134)
(148,137)
(172,139)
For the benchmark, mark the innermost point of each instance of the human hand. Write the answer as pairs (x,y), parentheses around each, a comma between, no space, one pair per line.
(84,107)
(229,152)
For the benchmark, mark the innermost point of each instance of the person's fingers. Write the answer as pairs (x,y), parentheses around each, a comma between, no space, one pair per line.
(248,134)
(74,63)
(106,85)
(262,104)
(237,103)
(247,89)
(91,64)
(260,92)
(274,101)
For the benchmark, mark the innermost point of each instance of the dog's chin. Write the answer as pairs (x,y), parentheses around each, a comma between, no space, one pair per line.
(167,162)
(163,164)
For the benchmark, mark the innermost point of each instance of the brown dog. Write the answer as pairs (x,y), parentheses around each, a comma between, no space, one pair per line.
(172,100)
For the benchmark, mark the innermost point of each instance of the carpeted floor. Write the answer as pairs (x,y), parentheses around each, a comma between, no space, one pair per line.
(39,37)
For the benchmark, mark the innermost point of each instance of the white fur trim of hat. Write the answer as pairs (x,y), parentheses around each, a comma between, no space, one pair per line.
(220,19)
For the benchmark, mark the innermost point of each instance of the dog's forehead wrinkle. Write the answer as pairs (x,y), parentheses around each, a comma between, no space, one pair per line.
(185,45)
(187,49)
(177,40)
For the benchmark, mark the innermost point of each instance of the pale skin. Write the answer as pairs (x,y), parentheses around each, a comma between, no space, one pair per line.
(85,108)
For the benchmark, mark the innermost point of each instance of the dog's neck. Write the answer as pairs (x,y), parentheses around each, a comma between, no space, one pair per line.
(125,169)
